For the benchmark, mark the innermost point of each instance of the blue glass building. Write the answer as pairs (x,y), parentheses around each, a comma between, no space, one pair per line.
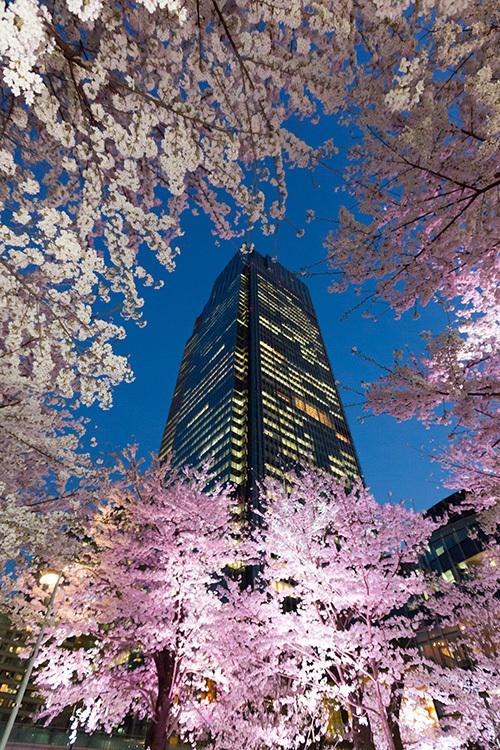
(255,391)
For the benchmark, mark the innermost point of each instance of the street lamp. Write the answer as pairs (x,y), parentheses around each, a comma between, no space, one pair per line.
(48,579)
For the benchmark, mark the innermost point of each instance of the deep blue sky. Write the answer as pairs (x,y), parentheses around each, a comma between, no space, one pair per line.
(394,456)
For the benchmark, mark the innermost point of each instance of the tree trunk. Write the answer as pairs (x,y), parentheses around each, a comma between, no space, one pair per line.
(362,736)
(160,729)
(393,713)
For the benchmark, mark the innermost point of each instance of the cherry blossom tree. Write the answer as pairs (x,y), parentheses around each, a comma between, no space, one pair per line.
(424,169)
(139,605)
(115,118)
(424,179)
(151,621)
(455,383)
(467,611)
(347,595)
(331,625)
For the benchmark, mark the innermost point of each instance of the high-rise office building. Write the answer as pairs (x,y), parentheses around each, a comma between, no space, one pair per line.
(255,391)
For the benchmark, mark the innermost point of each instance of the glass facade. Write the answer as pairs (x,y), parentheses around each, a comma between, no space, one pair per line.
(255,391)
(453,548)
(458,543)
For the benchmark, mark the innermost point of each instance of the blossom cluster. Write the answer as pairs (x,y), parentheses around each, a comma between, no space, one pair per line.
(115,120)
(425,183)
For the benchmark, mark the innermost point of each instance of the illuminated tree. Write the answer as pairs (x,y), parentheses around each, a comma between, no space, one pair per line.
(331,624)
(139,606)
(151,621)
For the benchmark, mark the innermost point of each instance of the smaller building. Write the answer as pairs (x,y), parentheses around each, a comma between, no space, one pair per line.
(453,549)
(458,543)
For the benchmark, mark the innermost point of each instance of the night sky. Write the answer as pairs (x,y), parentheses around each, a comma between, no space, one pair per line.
(394,456)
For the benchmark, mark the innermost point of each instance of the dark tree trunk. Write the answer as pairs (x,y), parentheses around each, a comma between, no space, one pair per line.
(393,713)
(362,736)
(156,737)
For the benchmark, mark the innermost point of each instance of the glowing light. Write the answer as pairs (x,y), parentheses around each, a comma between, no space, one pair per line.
(49,578)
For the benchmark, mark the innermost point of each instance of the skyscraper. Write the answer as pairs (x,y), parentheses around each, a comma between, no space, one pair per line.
(255,390)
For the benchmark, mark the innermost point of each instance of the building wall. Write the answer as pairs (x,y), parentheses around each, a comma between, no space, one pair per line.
(12,669)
